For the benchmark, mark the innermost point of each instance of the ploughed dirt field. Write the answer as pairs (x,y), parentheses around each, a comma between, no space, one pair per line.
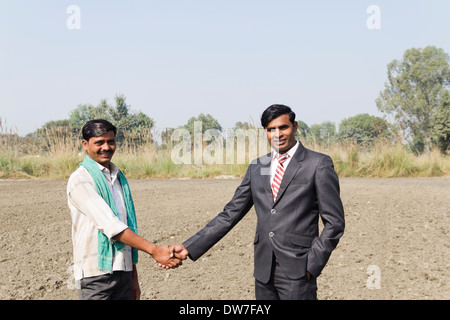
(396,244)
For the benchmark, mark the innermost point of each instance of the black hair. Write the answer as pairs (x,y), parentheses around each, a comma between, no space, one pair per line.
(96,128)
(274,111)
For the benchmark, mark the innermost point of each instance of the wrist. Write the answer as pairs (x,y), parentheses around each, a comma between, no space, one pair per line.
(151,248)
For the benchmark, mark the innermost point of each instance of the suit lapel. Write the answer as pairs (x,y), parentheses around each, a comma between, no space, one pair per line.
(291,170)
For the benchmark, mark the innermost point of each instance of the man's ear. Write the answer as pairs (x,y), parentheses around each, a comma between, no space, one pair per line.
(84,143)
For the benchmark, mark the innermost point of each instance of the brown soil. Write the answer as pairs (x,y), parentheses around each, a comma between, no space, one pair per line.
(397,226)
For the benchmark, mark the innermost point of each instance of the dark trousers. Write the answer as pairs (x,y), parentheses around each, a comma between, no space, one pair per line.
(281,287)
(114,286)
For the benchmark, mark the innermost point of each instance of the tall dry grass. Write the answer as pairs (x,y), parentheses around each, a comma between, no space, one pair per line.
(50,154)
(387,160)
(55,153)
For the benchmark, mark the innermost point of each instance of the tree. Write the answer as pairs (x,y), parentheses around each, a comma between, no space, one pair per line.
(83,113)
(362,128)
(413,91)
(136,124)
(242,125)
(207,122)
(440,132)
(303,130)
(324,132)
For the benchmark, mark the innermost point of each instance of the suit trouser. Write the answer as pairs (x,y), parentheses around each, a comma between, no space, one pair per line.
(114,286)
(280,287)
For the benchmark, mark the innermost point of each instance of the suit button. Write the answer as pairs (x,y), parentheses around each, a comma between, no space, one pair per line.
(271,234)
(273,211)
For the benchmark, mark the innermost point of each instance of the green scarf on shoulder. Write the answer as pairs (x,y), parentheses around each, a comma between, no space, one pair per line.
(106,248)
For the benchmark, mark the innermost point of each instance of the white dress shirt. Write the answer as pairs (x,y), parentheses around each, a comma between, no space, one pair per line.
(91,213)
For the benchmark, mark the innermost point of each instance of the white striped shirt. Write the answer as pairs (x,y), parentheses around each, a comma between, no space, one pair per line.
(91,213)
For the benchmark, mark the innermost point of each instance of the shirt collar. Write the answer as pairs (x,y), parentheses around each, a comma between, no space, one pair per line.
(290,152)
(114,168)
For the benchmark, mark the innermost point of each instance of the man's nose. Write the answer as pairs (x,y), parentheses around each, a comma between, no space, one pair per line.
(277,133)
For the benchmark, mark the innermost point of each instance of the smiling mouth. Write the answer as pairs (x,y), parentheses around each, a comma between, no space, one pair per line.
(279,142)
(105,154)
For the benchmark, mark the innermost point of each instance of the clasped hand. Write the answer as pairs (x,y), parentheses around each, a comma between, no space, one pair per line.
(169,257)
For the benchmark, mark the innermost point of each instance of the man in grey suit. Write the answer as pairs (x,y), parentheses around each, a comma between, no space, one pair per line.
(288,198)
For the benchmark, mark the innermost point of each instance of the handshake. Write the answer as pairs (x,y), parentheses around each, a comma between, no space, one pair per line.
(169,257)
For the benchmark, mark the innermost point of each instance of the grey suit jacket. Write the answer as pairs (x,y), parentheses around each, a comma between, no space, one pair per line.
(287,227)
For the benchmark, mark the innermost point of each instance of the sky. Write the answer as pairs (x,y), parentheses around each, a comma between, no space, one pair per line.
(232,59)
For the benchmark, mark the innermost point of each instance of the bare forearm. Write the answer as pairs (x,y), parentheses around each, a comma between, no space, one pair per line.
(161,254)
(130,238)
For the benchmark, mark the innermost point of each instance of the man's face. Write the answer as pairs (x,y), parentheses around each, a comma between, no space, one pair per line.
(281,133)
(101,149)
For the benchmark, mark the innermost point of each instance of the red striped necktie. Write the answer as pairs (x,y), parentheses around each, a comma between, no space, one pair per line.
(278,175)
